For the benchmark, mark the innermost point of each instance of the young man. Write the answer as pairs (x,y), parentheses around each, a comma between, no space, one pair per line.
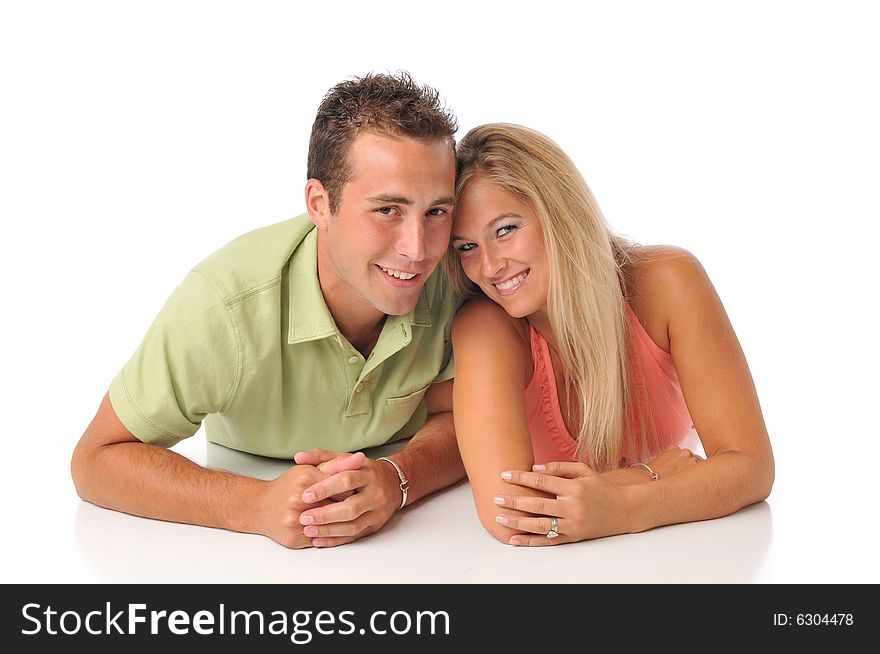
(326,331)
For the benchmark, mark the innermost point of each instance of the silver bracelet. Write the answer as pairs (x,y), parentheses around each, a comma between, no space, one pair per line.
(404,482)
(654,475)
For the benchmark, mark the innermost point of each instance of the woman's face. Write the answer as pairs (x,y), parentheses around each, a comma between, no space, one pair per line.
(501,248)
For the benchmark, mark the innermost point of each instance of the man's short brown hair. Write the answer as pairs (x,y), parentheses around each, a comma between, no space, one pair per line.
(387,104)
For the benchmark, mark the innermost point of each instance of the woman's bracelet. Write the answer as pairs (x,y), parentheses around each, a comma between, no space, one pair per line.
(654,475)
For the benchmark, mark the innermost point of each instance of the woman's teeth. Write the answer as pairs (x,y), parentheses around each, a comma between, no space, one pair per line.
(510,283)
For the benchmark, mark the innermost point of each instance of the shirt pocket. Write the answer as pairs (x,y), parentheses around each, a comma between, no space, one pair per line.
(399,410)
(407,401)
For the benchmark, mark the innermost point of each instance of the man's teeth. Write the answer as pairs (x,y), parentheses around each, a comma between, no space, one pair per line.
(398,273)
(510,283)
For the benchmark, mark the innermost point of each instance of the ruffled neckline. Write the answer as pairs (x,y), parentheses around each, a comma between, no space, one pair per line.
(556,428)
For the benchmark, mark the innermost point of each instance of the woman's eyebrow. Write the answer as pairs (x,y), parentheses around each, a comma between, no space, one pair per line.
(504,216)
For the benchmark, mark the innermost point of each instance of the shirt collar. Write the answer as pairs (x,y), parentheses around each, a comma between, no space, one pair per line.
(309,318)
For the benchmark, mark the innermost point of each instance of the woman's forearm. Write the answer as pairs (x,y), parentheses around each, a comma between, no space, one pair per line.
(718,486)
(626,476)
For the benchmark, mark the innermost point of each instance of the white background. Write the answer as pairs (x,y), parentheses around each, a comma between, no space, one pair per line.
(138,137)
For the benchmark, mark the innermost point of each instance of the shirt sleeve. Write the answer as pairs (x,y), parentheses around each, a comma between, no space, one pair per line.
(187,366)
(447,372)
(445,313)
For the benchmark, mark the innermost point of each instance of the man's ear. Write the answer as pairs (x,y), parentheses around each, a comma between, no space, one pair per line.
(318,203)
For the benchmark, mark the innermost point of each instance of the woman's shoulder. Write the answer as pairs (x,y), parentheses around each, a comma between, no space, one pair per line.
(481,310)
(650,266)
(489,342)
(481,314)
(660,281)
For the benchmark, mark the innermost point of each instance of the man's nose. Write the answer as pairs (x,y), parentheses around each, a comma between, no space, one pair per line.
(411,240)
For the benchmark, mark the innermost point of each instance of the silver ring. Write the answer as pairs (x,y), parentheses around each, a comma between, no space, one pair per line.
(554,527)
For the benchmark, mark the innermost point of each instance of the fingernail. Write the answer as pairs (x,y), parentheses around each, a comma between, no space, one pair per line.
(514,541)
(306,519)
(308,497)
(539,467)
(506,475)
(499,500)
(319,542)
(501,520)
(310,531)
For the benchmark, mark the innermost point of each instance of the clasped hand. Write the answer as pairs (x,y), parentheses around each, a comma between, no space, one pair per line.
(586,504)
(333,498)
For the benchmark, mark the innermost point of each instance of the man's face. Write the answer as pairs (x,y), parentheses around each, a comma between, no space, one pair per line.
(391,227)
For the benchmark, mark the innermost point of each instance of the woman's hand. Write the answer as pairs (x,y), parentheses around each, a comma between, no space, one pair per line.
(673,460)
(586,505)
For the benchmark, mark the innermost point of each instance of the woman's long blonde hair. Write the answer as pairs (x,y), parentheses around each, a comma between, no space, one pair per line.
(585,299)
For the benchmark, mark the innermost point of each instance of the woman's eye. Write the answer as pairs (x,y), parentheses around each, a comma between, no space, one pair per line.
(504,231)
(465,247)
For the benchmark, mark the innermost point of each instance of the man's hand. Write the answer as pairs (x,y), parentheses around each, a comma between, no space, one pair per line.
(371,495)
(282,503)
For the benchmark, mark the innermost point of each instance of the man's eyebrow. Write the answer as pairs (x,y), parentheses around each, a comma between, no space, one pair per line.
(383,198)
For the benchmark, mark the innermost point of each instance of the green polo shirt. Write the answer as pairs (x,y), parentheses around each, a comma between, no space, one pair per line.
(247,344)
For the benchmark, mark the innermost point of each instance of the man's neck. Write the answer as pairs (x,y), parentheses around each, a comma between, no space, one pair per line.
(357,321)
(361,328)
(365,340)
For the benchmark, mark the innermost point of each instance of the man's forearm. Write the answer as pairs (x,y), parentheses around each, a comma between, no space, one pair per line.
(153,482)
(431,460)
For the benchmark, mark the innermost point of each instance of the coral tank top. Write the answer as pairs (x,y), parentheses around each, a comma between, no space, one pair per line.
(550,438)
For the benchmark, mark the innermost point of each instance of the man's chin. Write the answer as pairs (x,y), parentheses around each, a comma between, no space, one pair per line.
(398,311)
(399,308)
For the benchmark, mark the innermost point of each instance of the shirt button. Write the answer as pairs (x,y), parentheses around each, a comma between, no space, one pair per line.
(353,359)
(358,388)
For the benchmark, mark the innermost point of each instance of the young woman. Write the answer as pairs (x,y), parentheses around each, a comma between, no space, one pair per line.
(589,356)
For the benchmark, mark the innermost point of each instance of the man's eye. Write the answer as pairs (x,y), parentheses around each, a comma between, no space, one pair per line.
(466,247)
(386,211)
(504,231)
(437,211)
